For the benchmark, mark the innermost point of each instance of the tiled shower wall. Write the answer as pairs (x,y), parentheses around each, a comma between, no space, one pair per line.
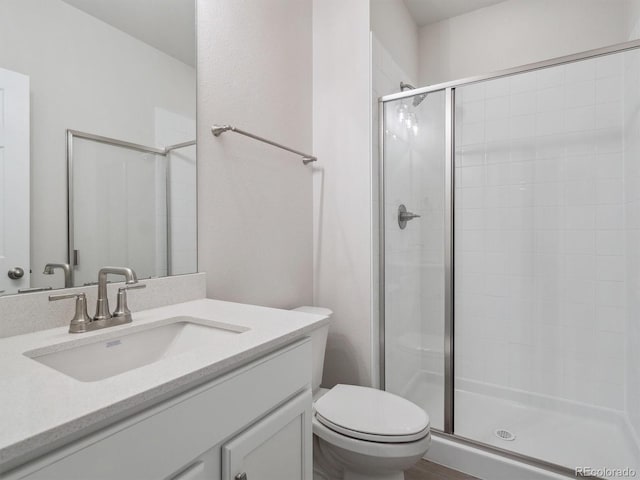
(632,218)
(540,240)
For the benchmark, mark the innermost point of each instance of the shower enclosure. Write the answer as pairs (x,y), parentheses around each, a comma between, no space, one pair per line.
(510,307)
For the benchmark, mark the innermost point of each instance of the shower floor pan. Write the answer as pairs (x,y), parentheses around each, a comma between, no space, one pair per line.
(553,430)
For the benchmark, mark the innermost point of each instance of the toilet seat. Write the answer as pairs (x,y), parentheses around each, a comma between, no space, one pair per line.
(372,437)
(372,415)
(363,447)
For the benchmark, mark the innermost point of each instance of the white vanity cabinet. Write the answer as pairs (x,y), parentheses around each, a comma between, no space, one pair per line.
(254,421)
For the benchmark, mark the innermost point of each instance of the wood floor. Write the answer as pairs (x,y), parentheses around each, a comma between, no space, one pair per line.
(432,471)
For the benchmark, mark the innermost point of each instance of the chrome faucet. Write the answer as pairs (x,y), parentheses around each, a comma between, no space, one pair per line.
(102,308)
(65,267)
(103,318)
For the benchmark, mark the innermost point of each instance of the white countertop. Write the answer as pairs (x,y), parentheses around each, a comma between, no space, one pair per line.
(40,407)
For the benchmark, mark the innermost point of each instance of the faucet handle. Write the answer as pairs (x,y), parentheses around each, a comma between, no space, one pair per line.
(80,321)
(133,287)
(122,311)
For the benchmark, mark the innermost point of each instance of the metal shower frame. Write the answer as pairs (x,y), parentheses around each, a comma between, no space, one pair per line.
(164,152)
(449,89)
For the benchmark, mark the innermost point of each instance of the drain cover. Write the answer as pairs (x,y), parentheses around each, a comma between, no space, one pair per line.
(506,435)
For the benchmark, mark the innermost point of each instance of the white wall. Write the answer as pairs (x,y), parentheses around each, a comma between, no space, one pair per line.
(517,32)
(342,184)
(89,76)
(394,27)
(255,201)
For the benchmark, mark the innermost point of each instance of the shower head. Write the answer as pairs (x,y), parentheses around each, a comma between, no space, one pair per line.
(418,99)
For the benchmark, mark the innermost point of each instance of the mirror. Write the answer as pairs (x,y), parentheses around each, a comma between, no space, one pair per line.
(97,140)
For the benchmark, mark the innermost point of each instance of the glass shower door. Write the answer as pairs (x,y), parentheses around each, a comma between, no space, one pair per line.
(413,250)
(119,210)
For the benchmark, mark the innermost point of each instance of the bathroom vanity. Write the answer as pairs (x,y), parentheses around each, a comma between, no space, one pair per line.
(200,390)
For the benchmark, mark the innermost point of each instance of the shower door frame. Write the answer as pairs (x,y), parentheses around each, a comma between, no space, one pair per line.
(449,89)
(71,135)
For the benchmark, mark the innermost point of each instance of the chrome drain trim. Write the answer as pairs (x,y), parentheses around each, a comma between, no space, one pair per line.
(505,435)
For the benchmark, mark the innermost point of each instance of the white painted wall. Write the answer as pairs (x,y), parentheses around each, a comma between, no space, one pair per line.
(255,201)
(342,184)
(517,32)
(394,27)
(111,87)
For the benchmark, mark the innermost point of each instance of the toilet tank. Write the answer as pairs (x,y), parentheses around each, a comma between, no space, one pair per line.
(318,344)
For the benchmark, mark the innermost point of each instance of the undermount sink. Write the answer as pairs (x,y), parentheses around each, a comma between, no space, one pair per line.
(106,357)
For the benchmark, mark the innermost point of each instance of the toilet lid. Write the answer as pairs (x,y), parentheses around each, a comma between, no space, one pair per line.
(371,414)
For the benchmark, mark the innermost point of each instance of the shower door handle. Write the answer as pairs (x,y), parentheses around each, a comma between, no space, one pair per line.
(404,216)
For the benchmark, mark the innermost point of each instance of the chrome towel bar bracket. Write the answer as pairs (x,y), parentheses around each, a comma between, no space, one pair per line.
(218,130)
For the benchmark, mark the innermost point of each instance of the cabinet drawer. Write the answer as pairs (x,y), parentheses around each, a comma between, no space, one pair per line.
(162,440)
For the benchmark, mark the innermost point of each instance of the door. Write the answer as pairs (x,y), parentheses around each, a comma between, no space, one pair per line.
(413,250)
(278,447)
(14,181)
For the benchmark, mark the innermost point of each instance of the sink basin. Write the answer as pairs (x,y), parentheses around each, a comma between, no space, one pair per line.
(106,357)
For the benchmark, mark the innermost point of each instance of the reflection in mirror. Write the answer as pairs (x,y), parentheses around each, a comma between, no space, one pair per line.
(147,217)
(124,70)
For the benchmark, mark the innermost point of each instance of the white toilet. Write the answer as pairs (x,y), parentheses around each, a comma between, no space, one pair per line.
(362,433)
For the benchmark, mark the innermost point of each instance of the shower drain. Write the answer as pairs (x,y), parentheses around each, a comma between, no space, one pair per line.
(505,435)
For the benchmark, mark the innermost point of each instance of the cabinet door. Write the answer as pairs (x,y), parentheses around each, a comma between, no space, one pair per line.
(205,467)
(196,471)
(277,447)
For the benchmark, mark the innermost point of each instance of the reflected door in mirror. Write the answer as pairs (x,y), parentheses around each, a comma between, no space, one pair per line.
(14,181)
